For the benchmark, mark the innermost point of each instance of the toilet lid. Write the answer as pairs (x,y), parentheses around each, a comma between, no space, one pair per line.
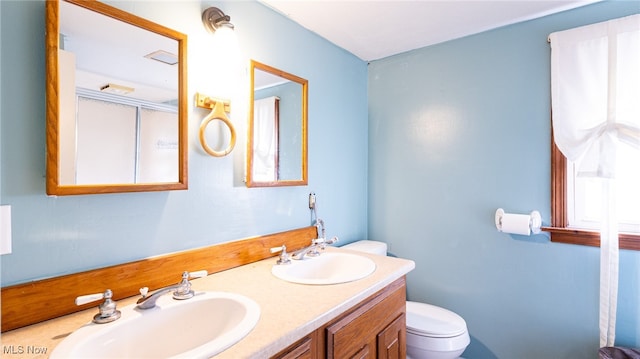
(432,321)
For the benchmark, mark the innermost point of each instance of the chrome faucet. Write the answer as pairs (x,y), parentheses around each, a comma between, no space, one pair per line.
(312,250)
(284,256)
(320,228)
(320,242)
(181,290)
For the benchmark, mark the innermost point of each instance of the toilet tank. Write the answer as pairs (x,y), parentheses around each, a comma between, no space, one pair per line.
(366,246)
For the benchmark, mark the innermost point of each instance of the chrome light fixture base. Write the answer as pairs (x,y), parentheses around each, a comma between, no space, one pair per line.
(213,19)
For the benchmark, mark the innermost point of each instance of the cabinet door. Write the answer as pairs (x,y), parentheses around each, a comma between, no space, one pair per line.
(303,349)
(363,353)
(356,335)
(392,340)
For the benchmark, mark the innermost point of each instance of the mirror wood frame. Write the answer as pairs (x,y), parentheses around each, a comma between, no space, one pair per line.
(303,181)
(53,185)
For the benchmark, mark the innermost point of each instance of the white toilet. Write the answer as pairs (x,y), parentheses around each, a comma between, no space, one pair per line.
(432,332)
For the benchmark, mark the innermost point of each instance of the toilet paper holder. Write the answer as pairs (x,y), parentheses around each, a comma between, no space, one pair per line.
(535,221)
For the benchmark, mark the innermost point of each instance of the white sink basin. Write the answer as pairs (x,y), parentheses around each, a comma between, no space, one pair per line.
(328,268)
(199,327)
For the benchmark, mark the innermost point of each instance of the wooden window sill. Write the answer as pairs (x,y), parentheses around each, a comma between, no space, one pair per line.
(629,241)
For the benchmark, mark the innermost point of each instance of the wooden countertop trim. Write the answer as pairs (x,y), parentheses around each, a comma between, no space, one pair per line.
(33,302)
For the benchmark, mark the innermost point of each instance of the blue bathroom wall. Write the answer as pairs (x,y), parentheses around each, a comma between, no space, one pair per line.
(462,128)
(59,235)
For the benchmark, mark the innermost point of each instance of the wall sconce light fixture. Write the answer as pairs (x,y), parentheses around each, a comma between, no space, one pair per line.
(214,19)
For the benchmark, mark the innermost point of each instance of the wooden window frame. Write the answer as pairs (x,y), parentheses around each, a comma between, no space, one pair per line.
(559,230)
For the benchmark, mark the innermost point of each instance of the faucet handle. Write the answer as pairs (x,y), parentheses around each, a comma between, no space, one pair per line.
(144,291)
(184,287)
(108,312)
(322,243)
(198,274)
(284,256)
(84,299)
(333,240)
(282,248)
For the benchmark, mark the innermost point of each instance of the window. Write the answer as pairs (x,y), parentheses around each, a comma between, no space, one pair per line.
(596,123)
(585,194)
(561,228)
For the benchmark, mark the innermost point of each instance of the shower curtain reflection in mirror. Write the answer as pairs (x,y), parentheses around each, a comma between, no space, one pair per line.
(116,142)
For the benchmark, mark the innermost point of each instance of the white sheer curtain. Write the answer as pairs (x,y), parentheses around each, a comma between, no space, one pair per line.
(265,142)
(595,95)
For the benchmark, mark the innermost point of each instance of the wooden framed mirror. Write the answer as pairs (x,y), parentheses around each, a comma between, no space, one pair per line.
(277,131)
(116,101)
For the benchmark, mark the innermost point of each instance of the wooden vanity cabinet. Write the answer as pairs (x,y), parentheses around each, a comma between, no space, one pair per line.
(305,348)
(374,328)
(392,340)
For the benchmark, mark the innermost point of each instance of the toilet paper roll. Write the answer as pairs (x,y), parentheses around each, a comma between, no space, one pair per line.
(516,223)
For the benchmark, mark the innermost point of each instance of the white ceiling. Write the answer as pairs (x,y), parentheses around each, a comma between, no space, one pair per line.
(373,29)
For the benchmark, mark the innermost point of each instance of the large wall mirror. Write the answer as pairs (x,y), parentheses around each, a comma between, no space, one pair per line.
(277,135)
(116,101)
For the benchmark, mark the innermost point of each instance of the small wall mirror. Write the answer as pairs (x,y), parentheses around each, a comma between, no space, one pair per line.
(116,101)
(277,138)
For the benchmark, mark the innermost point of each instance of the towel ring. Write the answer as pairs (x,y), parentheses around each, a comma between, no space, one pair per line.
(217,113)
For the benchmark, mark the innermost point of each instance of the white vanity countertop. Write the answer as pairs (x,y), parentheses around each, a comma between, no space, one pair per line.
(288,311)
